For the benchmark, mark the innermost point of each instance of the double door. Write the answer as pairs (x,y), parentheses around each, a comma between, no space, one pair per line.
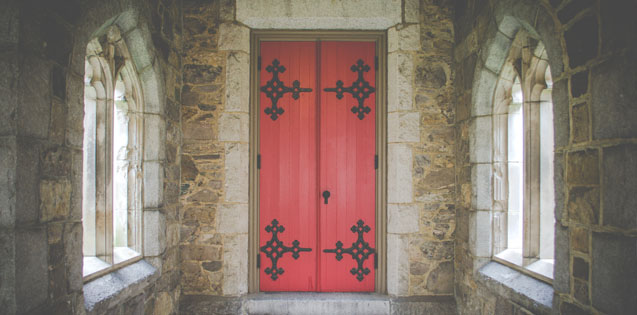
(317,164)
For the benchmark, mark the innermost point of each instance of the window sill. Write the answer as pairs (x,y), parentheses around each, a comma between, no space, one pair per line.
(525,290)
(541,269)
(113,288)
(94,267)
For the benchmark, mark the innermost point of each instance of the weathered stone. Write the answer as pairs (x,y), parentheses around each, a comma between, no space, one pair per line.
(163,304)
(154,137)
(579,84)
(580,268)
(569,11)
(234,37)
(400,72)
(582,167)
(620,180)
(418,268)
(403,127)
(232,219)
(201,74)
(154,233)
(480,233)
(561,273)
(31,280)
(198,130)
(482,89)
(403,38)
(561,114)
(440,280)
(582,41)
(579,239)
(397,265)
(55,198)
(580,123)
(571,309)
(480,140)
(153,184)
(200,252)
(612,96)
(34,109)
(583,205)
(234,127)
(399,182)
(237,82)
(212,266)
(430,76)
(235,266)
(613,274)
(481,194)
(618,25)
(368,14)
(580,291)
(402,218)
(236,169)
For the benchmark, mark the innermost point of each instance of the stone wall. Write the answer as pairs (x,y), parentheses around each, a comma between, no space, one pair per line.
(214,191)
(593,66)
(43,45)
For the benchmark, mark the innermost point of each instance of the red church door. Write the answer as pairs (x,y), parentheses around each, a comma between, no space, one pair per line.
(317,224)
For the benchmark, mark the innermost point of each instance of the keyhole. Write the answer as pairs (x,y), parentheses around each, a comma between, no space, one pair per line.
(326,195)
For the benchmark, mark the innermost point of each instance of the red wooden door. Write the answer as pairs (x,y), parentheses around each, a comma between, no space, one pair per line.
(317,136)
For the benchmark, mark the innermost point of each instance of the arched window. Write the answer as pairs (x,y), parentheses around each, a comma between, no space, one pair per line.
(523,160)
(113,116)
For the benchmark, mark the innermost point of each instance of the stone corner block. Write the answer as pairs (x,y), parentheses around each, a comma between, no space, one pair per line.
(481,194)
(397,264)
(412,11)
(405,38)
(234,37)
(236,167)
(237,82)
(402,218)
(480,140)
(232,218)
(153,184)
(480,233)
(400,77)
(154,233)
(403,127)
(234,127)
(235,265)
(399,181)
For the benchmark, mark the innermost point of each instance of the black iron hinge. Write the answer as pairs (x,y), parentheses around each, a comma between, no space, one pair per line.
(259,161)
(376,63)
(258,261)
(376,161)
(259,63)
(375,261)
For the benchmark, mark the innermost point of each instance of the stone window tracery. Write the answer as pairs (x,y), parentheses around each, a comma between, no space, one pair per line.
(523,197)
(112,167)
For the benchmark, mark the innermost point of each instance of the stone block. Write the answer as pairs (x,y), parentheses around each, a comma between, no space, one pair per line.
(618,25)
(402,218)
(55,199)
(581,41)
(569,11)
(561,273)
(140,46)
(307,14)
(482,90)
(34,108)
(561,113)
(237,82)
(27,184)
(440,279)
(482,190)
(580,268)
(153,184)
(8,156)
(151,82)
(234,37)
(613,273)
(8,103)
(581,123)
(582,167)
(579,84)
(579,239)
(202,74)
(31,273)
(154,233)
(397,265)
(406,38)
(480,233)
(236,167)
(235,265)
(7,270)
(412,11)
(430,76)
(481,140)
(399,174)
(73,255)
(232,218)
(497,51)
(583,205)
(440,139)
(400,77)
(620,179)
(559,186)
(403,127)
(154,137)
(234,127)
(612,96)
(198,130)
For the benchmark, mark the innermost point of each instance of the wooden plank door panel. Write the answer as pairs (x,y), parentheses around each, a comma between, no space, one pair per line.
(346,163)
(288,174)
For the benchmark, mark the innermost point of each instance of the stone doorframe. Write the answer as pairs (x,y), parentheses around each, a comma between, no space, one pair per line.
(399,20)
(378,37)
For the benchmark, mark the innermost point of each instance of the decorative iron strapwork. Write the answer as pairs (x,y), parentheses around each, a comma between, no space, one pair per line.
(275,89)
(359,251)
(274,249)
(360,89)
